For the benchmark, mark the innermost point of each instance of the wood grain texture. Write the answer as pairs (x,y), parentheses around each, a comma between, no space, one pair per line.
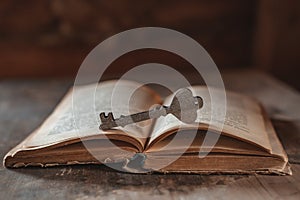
(24,104)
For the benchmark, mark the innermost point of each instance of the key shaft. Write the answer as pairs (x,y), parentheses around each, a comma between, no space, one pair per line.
(109,122)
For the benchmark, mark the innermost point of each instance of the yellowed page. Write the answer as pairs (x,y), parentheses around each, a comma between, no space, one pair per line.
(243,119)
(60,126)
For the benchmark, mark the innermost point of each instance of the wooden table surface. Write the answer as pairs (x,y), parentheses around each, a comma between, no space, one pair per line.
(24,104)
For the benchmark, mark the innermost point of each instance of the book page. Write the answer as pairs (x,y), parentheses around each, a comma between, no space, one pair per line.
(243,119)
(64,125)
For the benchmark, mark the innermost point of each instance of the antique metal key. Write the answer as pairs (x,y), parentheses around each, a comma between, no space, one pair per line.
(184,106)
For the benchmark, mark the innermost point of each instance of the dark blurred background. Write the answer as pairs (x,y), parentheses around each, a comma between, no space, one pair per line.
(50,38)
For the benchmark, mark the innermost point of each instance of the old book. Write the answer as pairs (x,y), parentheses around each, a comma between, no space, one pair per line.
(248,143)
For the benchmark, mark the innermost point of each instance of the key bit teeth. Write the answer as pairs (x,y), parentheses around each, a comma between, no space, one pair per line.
(102,115)
(107,121)
(110,116)
(105,118)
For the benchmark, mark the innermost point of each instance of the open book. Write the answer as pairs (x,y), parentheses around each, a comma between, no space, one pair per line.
(247,143)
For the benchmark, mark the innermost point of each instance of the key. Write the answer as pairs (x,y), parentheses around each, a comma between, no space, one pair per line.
(184,106)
